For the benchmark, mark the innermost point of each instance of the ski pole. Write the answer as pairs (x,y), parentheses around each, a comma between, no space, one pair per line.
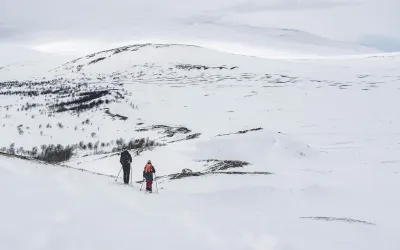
(155,179)
(118,174)
(141,185)
(131,175)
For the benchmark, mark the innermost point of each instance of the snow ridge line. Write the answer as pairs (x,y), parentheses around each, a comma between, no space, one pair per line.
(62,165)
(54,165)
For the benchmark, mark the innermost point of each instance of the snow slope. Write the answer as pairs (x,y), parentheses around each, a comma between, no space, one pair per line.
(287,154)
(22,63)
(247,40)
(70,209)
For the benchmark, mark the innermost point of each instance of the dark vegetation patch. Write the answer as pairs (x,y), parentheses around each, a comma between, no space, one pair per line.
(60,96)
(29,106)
(20,131)
(135,144)
(55,154)
(193,136)
(214,167)
(269,86)
(118,50)
(38,92)
(83,106)
(168,131)
(87,97)
(201,67)
(14,156)
(189,137)
(58,165)
(134,47)
(244,173)
(338,219)
(49,153)
(59,153)
(183,175)
(218,165)
(114,116)
(96,60)
(242,131)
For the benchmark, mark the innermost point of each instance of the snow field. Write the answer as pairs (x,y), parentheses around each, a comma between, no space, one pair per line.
(329,137)
(44,204)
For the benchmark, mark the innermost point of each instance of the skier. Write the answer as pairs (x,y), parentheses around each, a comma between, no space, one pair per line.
(125,161)
(148,175)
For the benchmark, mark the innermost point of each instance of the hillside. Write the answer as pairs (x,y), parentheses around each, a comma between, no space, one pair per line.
(18,63)
(282,153)
(70,209)
(250,40)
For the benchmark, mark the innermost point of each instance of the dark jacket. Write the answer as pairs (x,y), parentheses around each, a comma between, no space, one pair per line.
(150,174)
(125,158)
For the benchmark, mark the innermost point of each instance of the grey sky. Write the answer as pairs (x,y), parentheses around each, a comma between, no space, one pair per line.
(101,22)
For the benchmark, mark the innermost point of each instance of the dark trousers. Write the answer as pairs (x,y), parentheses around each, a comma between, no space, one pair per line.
(127,170)
(149,184)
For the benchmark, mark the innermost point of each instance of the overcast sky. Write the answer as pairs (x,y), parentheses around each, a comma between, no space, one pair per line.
(89,25)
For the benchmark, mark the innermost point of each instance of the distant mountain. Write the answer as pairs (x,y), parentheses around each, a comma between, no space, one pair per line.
(22,63)
(252,40)
(11,54)
(17,63)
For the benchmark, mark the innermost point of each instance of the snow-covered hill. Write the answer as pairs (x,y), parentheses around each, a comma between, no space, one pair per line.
(22,63)
(284,153)
(250,40)
(151,62)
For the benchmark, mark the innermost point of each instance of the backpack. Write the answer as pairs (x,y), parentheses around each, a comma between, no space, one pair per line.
(148,168)
(124,158)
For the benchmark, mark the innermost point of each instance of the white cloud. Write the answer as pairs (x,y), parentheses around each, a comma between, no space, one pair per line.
(70,47)
(63,25)
(344,20)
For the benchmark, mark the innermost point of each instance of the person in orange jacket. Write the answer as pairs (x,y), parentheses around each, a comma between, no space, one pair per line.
(148,172)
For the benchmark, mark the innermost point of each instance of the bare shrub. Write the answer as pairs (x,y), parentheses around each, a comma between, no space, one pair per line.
(135,144)
(11,149)
(55,154)
(20,131)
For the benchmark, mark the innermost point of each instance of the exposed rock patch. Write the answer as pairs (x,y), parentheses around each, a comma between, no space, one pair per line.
(214,167)
(202,67)
(219,165)
(242,131)
(338,219)
(166,130)
(114,116)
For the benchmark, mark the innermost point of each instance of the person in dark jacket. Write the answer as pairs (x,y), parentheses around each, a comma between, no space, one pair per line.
(148,172)
(126,160)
